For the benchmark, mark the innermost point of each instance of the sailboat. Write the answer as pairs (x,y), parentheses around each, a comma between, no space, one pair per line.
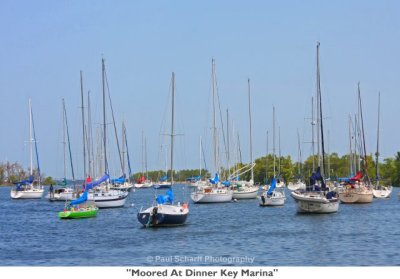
(101,194)
(80,208)
(26,189)
(380,191)
(317,198)
(214,191)
(64,193)
(358,189)
(273,195)
(246,190)
(165,212)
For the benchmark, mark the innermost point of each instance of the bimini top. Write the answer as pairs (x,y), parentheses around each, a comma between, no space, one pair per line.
(168,198)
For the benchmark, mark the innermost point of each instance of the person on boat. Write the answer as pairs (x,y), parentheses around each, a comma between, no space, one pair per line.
(51,191)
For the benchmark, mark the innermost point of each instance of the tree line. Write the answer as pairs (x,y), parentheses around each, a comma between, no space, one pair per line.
(336,167)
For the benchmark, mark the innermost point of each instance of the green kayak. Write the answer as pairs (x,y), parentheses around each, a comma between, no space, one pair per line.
(85,212)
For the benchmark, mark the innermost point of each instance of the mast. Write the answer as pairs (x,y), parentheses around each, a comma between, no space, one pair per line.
(320,116)
(227,142)
(377,141)
(127,154)
(351,148)
(299,153)
(279,147)
(214,119)
(104,118)
(172,128)
(251,145)
(363,135)
(66,133)
(83,129)
(312,134)
(64,142)
(90,138)
(115,127)
(273,139)
(30,137)
(123,150)
(200,157)
(266,162)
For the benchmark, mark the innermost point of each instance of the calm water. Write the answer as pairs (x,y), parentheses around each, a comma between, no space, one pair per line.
(358,235)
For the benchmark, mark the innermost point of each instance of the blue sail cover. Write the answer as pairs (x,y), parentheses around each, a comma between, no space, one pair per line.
(316,176)
(193,178)
(226,183)
(164,178)
(80,200)
(25,182)
(119,180)
(215,180)
(272,187)
(97,182)
(168,198)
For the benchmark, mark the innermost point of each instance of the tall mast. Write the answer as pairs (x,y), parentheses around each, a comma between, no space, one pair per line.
(214,119)
(312,134)
(66,133)
(90,138)
(363,135)
(104,117)
(320,116)
(200,157)
(30,137)
(227,142)
(123,149)
(251,145)
(351,148)
(377,141)
(172,127)
(279,150)
(83,128)
(266,162)
(64,141)
(298,152)
(273,139)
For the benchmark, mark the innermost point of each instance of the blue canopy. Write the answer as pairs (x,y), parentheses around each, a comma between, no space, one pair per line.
(164,178)
(97,182)
(168,198)
(272,187)
(226,183)
(80,200)
(316,176)
(25,182)
(119,180)
(193,178)
(215,180)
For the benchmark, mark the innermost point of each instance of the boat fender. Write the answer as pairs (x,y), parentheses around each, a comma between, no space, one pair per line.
(263,199)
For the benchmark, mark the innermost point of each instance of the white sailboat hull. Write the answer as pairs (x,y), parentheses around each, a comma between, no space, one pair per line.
(214,196)
(314,202)
(246,192)
(32,193)
(296,186)
(63,194)
(276,199)
(108,199)
(356,196)
(382,193)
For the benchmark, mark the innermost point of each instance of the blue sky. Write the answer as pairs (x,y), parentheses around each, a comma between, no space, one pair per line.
(46,43)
